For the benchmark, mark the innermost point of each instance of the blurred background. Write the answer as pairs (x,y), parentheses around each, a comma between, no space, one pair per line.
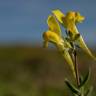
(27,69)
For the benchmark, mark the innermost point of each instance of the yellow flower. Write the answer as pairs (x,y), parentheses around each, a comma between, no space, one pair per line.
(50,36)
(53,35)
(59,15)
(75,16)
(69,21)
(53,25)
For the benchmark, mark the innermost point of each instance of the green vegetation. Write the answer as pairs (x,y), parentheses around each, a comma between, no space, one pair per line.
(35,71)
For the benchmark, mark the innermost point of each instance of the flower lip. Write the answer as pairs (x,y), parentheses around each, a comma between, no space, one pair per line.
(78,17)
(50,36)
(45,36)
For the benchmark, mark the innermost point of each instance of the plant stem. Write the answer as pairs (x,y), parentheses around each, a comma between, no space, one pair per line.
(76,69)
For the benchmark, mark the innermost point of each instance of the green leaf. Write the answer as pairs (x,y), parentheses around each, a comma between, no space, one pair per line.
(85,79)
(72,87)
(89,91)
(81,79)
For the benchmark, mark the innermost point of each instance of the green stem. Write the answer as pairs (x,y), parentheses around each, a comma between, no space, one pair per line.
(76,69)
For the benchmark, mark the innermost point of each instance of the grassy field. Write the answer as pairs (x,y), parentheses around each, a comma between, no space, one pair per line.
(35,71)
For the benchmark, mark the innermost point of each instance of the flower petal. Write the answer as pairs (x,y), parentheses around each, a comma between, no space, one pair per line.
(67,21)
(59,15)
(53,25)
(50,36)
(78,17)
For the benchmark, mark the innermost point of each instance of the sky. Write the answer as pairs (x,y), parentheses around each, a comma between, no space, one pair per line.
(24,21)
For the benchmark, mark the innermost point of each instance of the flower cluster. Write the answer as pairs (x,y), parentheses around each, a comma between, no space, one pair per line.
(66,45)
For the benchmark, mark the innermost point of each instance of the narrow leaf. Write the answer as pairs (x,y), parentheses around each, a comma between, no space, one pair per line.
(85,80)
(81,79)
(89,91)
(72,87)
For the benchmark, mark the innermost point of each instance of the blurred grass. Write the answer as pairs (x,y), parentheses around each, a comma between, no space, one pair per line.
(35,71)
